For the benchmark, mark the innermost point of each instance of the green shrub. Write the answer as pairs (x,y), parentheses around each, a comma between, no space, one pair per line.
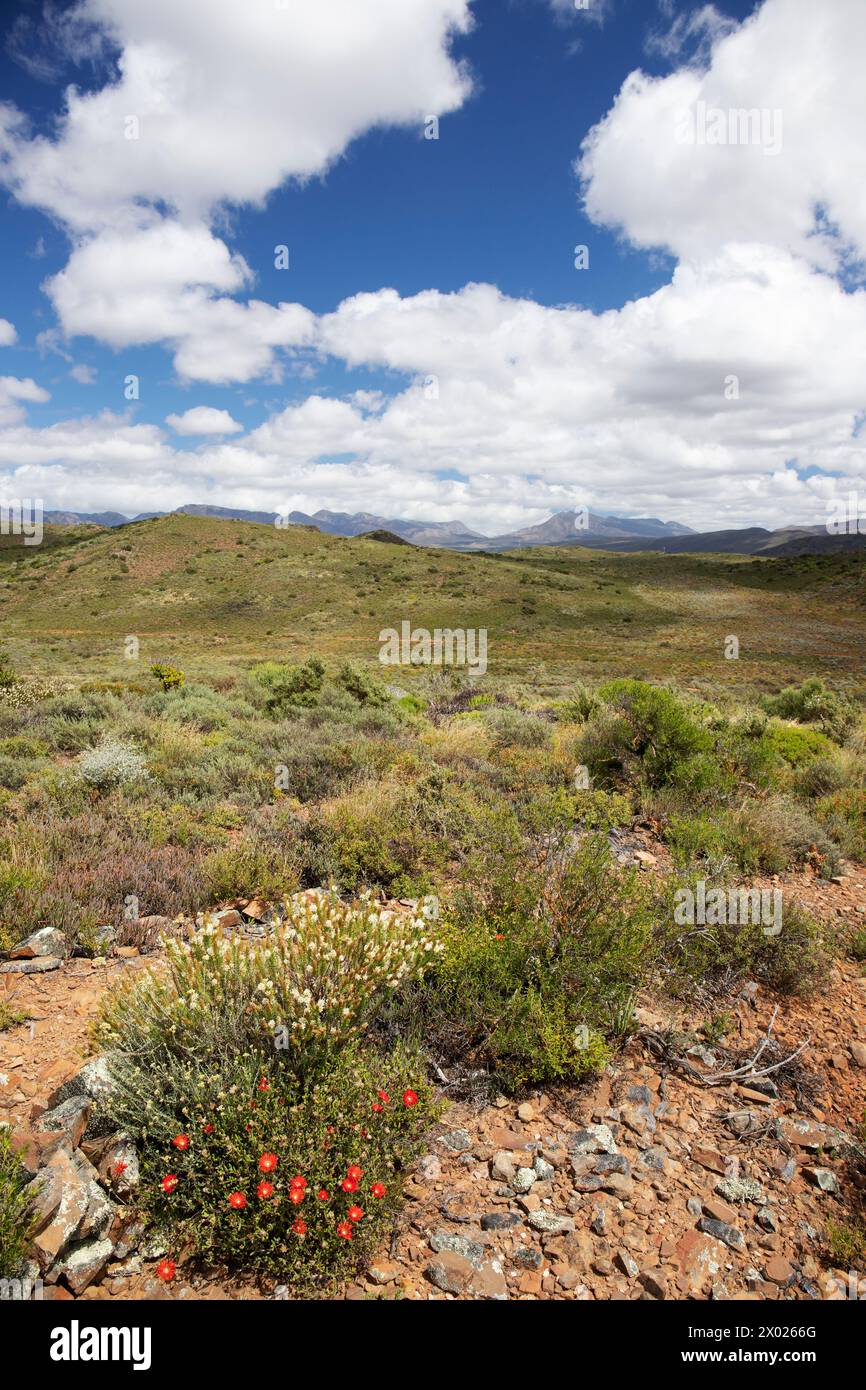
(648,734)
(362,685)
(168,677)
(542,958)
(795,746)
(843,816)
(290,687)
(814,703)
(8,675)
(250,1143)
(252,864)
(14,1223)
(580,706)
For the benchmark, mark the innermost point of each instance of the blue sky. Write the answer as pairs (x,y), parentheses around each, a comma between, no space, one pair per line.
(496,199)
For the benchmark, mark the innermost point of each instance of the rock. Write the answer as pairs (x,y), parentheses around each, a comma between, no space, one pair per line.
(721,1230)
(617,1184)
(808,1134)
(40,965)
(385,1272)
(710,1158)
(595,1139)
(528,1259)
(613,1163)
(470,1250)
(526,1111)
(766,1220)
(779,1271)
(83,1263)
(823,1178)
(743,1122)
(719,1210)
(638,1118)
(644,858)
(84,1210)
(655,1159)
(450,1272)
(741,1190)
(628,1266)
(69,1118)
(500,1221)
(48,941)
(429,1169)
(94,1082)
(502,1166)
(458,1141)
(524,1180)
(655,1283)
(489,1282)
(551,1224)
(701,1259)
(544,1171)
(858,1053)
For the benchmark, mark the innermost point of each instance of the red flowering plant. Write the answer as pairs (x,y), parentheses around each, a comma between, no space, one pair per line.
(302,1186)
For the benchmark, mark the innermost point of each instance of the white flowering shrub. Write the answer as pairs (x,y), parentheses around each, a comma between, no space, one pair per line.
(301,993)
(112,764)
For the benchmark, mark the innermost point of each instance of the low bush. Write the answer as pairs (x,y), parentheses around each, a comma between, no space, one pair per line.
(14,1223)
(813,702)
(112,764)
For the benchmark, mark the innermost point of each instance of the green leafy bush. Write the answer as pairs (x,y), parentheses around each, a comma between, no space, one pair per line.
(290,687)
(168,676)
(648,734)
(813,702)
(14,1224)
(362,685)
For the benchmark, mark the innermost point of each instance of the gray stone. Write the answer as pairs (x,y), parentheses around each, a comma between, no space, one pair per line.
(503,1166)
(720,1230)
(458,1141)
(471,1250)
(83,1263)
(48,941)
(595,1139)
(613,1163)
(93,1081)
(40,965)
(741,1190)
(823,1178)
(550,1224)
(500,1221)
(544,1171)
(524,1180)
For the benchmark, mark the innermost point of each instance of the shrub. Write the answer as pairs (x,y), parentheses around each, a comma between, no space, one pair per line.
(648,733)
(313,984)
(542,959)
(514,728)
(168,677)
(14,1202)
(290,687)
(259,1135)
(8,675)
(580,706)
(112,764)
(795,746)
(843,815)
(362,685)
(254,863)
(814,703)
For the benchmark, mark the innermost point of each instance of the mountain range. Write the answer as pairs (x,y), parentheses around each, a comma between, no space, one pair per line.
(570,528)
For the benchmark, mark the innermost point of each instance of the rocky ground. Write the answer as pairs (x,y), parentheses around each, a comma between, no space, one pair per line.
(681,1172)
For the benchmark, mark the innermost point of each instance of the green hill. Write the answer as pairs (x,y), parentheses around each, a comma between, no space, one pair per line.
(211,596)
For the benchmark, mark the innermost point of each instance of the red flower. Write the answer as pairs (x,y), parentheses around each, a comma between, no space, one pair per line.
(384,1097)
(348,1184)
(181,1141)
(410,1098)
(354,1172)
(264,1084)
(237,1200)
(265,1189)
(355,1213)
(378,1189)
(299,1227)
(296,1195)
(207,1129)
(377,1108)
(169,1182)
(267,1163)
(298,1181)
(323,1195)
(165,1270)
(345,1230)
(119,1168)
